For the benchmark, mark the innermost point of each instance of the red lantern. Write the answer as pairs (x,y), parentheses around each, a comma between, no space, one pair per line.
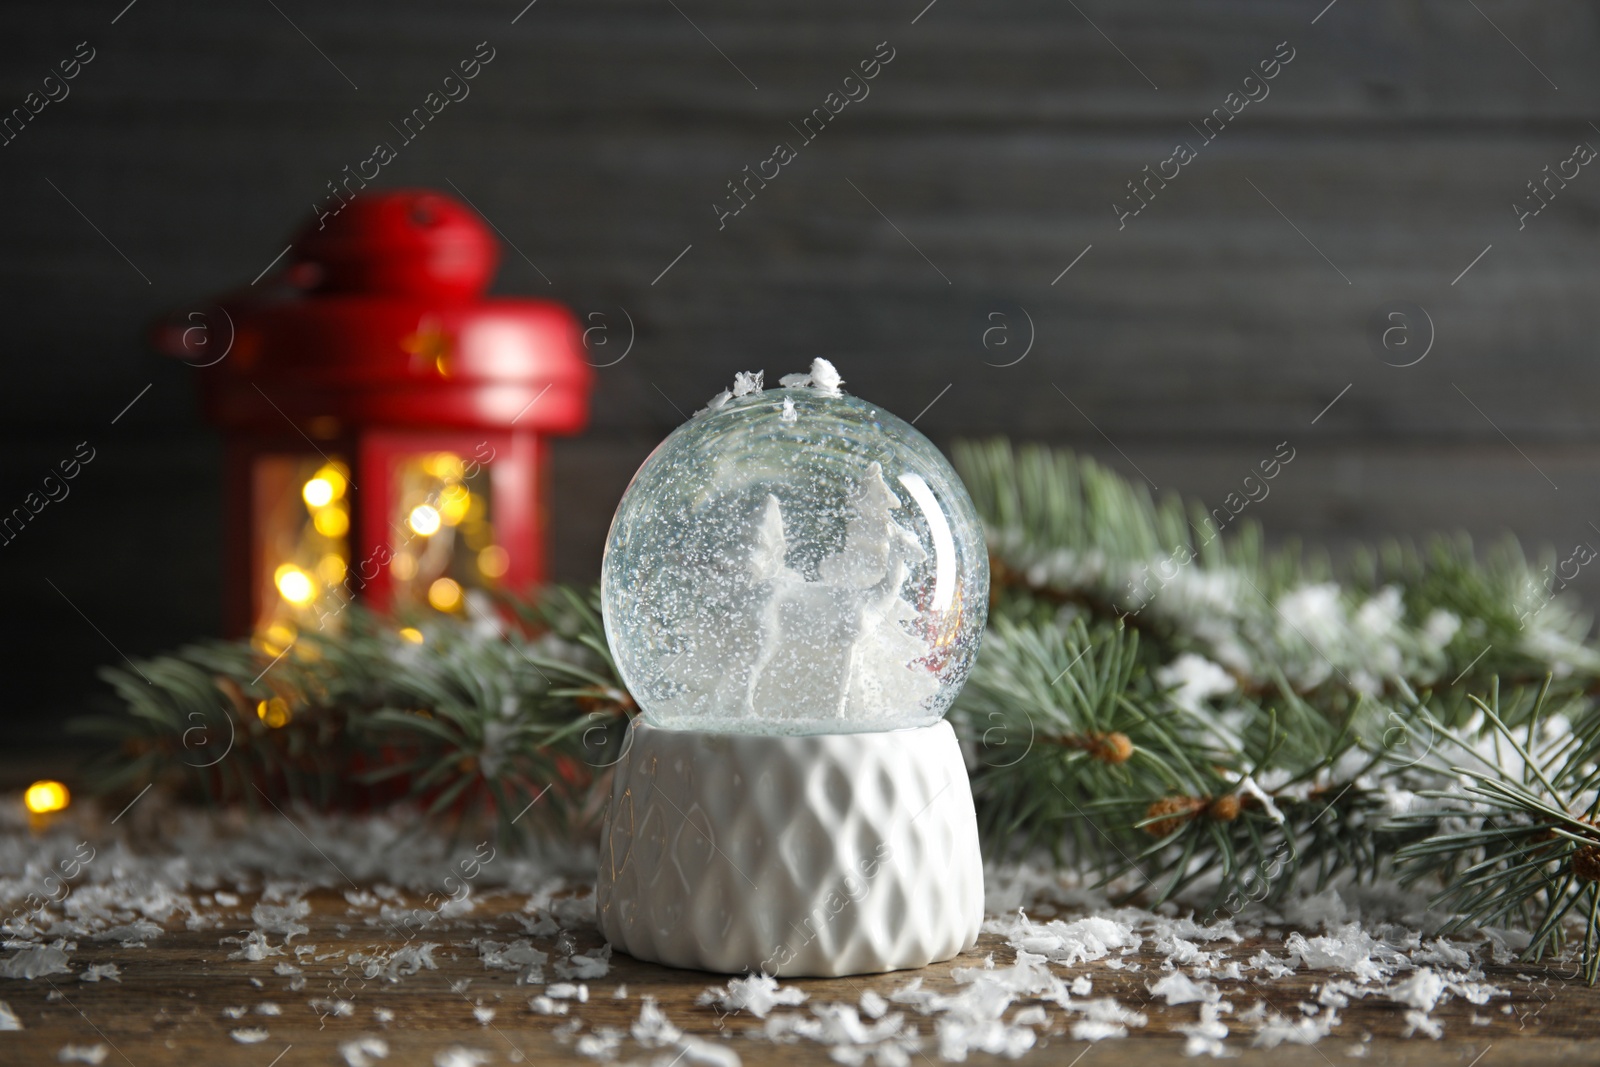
(384,421)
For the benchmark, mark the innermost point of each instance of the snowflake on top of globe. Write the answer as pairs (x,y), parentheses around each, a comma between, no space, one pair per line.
(795,560)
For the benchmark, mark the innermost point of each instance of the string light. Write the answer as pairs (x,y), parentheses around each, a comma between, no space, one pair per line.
(331,522)
(318,493)
(424,520)
(326,486)
(453,504)
(494,561)
(331,569)
(275,712)
(46,796)
(277,637)
(404,566)
(294,584)
(444,594)
(412,634)
(445,466)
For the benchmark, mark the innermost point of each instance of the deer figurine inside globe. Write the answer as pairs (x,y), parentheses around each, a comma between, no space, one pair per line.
(795,586)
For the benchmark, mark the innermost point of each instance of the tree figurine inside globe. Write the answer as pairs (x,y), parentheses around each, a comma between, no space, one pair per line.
(794,587)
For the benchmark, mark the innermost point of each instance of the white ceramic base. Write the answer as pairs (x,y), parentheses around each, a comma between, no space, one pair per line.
(823,855)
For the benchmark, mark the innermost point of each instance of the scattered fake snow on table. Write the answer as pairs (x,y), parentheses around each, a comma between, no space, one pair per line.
(130,897)
(364,1051)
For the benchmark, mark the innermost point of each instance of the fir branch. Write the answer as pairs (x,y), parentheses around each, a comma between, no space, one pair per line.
(475,720)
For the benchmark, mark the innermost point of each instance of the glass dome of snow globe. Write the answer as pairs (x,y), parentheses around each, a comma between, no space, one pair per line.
(795,561)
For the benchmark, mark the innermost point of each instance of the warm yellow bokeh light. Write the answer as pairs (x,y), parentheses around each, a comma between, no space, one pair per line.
(453,505)
(318,493)
(276,638)
(294,584)
(412,634)
(46,796)
(494,561)
(331,569)
(446,466)
(334,475)
(274,712)
(424,519)
(331,522)
(444,594)
(404,566)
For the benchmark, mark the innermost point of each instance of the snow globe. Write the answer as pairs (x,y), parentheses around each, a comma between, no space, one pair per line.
(794,587)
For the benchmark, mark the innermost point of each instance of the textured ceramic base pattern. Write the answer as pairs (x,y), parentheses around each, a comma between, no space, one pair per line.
(821,855)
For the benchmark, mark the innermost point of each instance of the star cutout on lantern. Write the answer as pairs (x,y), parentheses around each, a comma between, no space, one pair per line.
(430,345)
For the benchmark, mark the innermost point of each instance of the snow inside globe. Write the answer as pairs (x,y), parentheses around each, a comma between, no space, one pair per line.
(795,561)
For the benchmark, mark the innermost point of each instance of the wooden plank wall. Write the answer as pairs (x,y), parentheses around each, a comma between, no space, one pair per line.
(1184,344)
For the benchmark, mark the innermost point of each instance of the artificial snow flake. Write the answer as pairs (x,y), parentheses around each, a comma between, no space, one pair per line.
(1068,943)
(35,961)
(364,1051)
(519,956)
(1097,1030)
(1420,991)
(568,991)
(97,972)
(1349,948)
(460,1056)
(591,965)
(250,1035)
(652,1030)
(822,377)
(409,960)
(1278,1029)
(1105,1018)
(255,947)
(283,919)
(850,1040)
(130,934)
(1194,680)
(756,993)
(602,1044)
(1179,988)
(8,1018)
(1205,1037)
(1248,784)
(1031,1016)
(713,404)
(337,1007)
(83,1053)
(543,1005)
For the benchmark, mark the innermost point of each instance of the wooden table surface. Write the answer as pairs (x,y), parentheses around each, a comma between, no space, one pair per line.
(169,1007)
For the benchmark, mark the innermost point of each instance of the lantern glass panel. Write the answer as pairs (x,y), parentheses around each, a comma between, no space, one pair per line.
(302,514)
(444,511)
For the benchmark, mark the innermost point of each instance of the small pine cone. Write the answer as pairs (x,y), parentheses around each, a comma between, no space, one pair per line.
(1224,809)
(1114,747)
(1170,813)
(1585,864)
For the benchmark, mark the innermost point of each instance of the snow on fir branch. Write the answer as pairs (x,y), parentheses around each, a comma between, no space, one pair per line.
(1281,724)
(1161,699)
